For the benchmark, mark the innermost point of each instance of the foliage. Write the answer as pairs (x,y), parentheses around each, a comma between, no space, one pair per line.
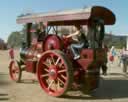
(15,39)
(117,41)
(63,31)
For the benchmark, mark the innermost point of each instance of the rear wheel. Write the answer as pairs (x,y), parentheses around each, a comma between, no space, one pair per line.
(90,81)
(54,73)
(15,71)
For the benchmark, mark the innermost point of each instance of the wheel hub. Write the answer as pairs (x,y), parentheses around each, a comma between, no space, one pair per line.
(53,72)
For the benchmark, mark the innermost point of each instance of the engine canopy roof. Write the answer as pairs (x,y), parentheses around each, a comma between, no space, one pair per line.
(70,17)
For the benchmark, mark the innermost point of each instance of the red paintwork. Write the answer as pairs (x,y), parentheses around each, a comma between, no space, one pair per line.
(52,72)
(81,66)
(31,66)
(11,53)
(35,56)
(86,58)
(13,70)
(31,56)
(52,42)
(66,42)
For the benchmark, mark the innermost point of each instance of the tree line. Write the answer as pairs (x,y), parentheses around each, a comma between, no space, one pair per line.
(16,38)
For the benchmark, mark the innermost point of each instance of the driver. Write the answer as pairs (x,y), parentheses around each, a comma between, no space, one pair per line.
(79,41)
(41,32)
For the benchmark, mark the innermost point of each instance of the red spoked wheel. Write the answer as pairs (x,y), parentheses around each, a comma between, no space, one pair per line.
(54,73)
(15,71)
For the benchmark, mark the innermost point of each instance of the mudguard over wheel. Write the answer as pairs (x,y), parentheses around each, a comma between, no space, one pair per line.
(15,71)
(54,73)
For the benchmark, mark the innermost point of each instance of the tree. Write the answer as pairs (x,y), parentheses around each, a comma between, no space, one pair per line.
(15,39)
(2,44)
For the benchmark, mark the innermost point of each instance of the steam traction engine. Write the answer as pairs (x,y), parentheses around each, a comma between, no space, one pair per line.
(51,59)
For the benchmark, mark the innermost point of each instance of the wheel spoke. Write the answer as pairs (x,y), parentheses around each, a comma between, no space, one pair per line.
(60,81)
(65,78)
(52,59)
(44,75)
(61,71)
(55,86)
(58,84)
(50,85)
(49,61)
(13,71)
(57,61)
(15,76)
(60,65)
(47,65)
(16,70)
(48,81)
(46,70)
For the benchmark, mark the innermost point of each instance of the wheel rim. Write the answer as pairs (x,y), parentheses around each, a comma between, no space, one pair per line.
(14,71)
(53,74)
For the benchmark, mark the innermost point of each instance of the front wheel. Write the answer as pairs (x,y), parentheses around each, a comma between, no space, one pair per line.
(15,71)
(54,73)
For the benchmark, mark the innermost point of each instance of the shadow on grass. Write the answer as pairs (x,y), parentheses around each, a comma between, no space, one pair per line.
(29,81)
(4,80)
(4,97)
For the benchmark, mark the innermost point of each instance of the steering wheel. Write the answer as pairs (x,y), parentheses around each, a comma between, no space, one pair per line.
(66,41)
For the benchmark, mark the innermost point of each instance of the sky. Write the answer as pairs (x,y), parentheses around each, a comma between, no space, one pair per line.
(10,9)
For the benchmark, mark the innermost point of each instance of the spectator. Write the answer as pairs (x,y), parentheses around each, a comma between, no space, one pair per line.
(104,66)
(112,54)
(11,52)
(124,59)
